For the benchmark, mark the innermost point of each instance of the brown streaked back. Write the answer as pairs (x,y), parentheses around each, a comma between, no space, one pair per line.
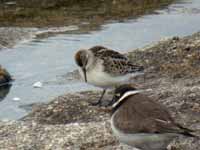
(103,52)
(118,63)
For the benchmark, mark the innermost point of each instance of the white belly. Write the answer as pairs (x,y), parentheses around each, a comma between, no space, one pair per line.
(101,79)
(144,141)
(105,80)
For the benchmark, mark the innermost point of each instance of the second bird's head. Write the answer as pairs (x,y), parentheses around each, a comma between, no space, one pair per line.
(82,60)
(123,92)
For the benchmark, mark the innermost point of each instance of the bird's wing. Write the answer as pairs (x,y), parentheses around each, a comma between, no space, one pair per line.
(102,52)
(117,67)
(115,62)
(147,116)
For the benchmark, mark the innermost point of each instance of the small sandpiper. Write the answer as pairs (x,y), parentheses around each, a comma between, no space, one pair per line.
(105,68)
(140,122)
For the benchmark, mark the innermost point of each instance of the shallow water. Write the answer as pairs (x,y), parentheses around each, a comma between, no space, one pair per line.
(49,60)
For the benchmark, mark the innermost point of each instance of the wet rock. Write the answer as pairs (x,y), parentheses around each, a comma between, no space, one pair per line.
(175,38)
(4,90)
(37,84)
(5,77)
(16,99)
(10,36)
(72,76)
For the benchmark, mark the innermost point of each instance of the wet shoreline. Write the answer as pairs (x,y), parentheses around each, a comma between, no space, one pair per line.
(11,36)
(35,47)
(21,21)
(69,122)
(51,13)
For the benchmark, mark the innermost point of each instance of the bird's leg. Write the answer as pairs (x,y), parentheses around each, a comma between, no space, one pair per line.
(100,99)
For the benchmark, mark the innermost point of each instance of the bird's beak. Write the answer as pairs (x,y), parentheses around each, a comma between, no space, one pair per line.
(85,75)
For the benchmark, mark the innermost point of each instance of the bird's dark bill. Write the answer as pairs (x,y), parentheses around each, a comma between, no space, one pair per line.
(85,75)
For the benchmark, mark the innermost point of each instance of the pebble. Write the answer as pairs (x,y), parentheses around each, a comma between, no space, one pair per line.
(16,99)
(37,84)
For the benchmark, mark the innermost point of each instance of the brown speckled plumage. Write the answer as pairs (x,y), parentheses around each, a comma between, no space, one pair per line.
(102,52)
(105,68)
(116,63)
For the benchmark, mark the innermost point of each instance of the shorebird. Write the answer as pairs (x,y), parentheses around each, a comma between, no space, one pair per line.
(140,122)
(105,68)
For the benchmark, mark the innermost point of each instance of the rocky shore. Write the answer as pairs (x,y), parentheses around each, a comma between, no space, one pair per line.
(69,122)
(22,21)
(43,13)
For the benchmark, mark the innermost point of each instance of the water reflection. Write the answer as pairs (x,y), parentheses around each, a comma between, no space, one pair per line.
(4,90)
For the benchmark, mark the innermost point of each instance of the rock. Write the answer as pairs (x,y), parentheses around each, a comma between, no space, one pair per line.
(4,90)
(5,77)
(37,84)
(10,36)
(31,135)
(16,99)
(175,57)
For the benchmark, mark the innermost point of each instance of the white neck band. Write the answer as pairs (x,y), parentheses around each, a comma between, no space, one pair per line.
(126,95)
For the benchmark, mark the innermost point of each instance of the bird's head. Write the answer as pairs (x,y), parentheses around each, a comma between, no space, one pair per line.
(123,92)
(81,59)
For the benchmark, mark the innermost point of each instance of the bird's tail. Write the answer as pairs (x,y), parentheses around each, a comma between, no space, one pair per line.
(137,68)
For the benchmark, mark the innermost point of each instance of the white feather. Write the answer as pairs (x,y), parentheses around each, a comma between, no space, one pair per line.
(126,95)
(96,76)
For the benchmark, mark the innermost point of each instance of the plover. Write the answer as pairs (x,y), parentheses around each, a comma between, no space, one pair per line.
(142,123)
(105,68)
